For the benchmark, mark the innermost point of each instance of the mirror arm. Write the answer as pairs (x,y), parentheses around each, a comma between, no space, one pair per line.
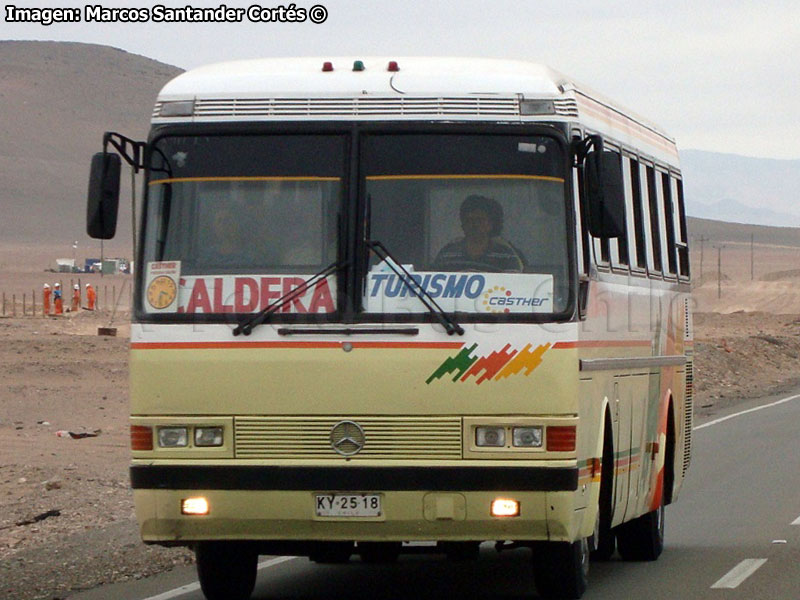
(131,151)
(581,148)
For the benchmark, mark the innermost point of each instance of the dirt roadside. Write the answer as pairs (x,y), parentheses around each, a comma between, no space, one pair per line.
(66,511)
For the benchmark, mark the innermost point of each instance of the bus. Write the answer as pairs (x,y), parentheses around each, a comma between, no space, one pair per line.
(387,301)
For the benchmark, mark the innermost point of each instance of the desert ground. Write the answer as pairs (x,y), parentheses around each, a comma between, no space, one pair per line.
(66,511)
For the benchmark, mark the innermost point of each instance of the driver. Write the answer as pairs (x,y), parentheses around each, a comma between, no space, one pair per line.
(481,248)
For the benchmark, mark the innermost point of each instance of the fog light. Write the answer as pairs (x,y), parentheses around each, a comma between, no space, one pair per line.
(208,436)
(503,507)
(194,506)
(490,436)
(173,437)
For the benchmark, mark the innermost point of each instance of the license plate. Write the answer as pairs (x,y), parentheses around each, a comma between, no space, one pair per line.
(348,505)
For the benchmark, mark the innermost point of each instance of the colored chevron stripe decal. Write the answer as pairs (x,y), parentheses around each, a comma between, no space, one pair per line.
(525,359)
(458,364)
(496,366)
(490,365)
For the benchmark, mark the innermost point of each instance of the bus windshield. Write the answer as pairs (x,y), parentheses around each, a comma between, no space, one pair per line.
(478,221)
(246,219)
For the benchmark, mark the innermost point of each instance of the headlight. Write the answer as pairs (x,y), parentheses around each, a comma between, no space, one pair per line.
(528,437)
(490,436)
(173,437)
(208,436)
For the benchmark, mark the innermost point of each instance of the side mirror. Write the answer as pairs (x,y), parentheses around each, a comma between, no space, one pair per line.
(605,194)
(103,196)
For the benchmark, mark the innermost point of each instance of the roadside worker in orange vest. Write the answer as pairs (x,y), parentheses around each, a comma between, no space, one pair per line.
(76,298)
(46,300)
(59,305)
(91,296)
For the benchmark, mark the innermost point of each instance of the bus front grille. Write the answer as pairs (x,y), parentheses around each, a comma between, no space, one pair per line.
(384,437)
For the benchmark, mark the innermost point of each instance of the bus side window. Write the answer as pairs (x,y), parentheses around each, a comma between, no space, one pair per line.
(669,224)
(655,227)
(582,232)
(622,258)
(605,250)
(633,191)
(683,239)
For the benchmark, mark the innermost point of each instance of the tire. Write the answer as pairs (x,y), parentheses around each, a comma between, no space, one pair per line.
(562,569)
(226,570)
(642,538)
(379,552)
(332,552)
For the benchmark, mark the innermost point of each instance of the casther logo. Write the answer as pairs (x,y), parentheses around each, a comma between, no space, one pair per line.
(438,285)
(499,299)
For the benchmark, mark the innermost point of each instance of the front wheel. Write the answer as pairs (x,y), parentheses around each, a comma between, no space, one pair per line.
(226,570)
(642,538)
(561,569)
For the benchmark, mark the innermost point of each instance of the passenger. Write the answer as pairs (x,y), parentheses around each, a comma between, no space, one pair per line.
(230,241)
(481,248)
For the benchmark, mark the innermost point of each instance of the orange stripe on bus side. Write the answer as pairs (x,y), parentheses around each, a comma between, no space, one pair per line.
(250,345)
(409,345)
(602,344)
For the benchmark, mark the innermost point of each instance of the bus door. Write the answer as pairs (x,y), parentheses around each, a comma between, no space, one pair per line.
(638,459)
(622,444)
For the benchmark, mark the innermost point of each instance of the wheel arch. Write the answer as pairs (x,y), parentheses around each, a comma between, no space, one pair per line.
(669,456)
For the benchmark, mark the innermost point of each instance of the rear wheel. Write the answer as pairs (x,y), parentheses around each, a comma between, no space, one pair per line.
(226,570)
(642,538)
(561,569)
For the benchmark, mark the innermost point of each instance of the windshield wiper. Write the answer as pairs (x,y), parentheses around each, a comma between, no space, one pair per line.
(447,321)
(247,326)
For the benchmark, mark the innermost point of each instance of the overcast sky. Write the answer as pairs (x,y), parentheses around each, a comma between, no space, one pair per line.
(719,76)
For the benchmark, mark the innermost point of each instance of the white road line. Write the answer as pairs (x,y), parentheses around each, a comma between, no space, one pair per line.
(275,561)
(193,587)
(796,521)
(744,412)
(184,589)
(739,573)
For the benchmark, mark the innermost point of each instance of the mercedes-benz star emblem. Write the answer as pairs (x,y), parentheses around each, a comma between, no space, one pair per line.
(347,438)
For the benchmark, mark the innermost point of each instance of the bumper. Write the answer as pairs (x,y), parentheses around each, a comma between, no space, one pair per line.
(418,504)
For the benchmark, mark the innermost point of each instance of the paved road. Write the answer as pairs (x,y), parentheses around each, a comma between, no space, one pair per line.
(731,536)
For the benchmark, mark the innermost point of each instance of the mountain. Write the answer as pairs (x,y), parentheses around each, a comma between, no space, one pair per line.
(716,232)
(735,212)
(741,189)
(57,99)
